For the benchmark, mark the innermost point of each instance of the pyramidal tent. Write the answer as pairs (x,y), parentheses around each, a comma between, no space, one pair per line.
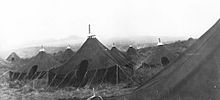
(13,57)
(120,56)
(58,55)
(194,76)
(62,57)
(132,54)
(160,56)
(131,51)
(92,65)
(37,67)
(15,61)
(68,53)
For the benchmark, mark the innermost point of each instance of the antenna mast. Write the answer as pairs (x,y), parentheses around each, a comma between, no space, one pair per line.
(159,42)
(89,29)
(42,49)
(90,34)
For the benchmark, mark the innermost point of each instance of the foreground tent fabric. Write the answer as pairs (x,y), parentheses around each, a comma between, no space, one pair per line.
(195,75)
(92,64)
(37,67)
(13,57)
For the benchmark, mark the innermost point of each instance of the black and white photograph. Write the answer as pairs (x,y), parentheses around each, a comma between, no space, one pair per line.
(109,50)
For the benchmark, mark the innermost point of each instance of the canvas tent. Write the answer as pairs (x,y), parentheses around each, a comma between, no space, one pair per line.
(13,57)
(121,57)
(92,64)
(62,57)
(160,56)
(37,67)
(15,61)
(132,55)
(131,51)
(194,76)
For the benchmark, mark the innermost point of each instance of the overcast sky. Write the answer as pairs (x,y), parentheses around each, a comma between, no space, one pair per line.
(22,21)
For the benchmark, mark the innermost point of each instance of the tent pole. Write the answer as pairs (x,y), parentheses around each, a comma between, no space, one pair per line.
(26,75)
(33,84)
(127,75)
(83,78)
(4,73)
(39,77)
(52,81)
(18,76)
(93,77)
(117,74)
(35,79)
(75,76)
(33,75)
(104,76)
(47,77)
(68,83)
(12,77)
(62,80)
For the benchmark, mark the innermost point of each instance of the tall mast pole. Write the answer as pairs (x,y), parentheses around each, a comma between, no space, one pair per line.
(89,29)
(90,34)
(159,40)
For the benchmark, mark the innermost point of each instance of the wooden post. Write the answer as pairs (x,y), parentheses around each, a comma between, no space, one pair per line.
(117,74)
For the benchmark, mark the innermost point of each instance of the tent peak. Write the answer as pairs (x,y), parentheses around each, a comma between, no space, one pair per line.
(13,57)
(113,44)
(91,35)
(42,49)
(68,47)
(160,43)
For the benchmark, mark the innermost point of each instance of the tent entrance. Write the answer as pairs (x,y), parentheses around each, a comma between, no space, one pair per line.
(32,71)
(12,59)
(165,61)
(83,66)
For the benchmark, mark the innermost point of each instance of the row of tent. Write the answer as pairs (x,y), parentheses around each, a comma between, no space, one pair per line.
(101,65)
(92,64)
(194,75)
(61,56)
